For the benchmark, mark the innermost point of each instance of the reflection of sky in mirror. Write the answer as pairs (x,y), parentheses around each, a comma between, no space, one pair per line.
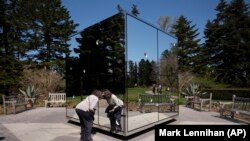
(165,42)
(141,41)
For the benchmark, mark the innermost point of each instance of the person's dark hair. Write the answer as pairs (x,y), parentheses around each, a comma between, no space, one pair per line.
(97,93)
(106,94)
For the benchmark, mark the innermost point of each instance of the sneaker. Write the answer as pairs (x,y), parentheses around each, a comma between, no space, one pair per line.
(117,123)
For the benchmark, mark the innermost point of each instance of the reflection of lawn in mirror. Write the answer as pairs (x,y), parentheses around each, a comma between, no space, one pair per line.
(133,93)
(73,101)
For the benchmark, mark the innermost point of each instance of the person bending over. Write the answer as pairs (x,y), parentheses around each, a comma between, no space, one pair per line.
(114,110)
(85,111)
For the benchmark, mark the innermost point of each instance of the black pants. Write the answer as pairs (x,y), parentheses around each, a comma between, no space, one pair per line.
(115,119)
(86,121)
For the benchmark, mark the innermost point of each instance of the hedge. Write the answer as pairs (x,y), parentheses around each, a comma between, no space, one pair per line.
(227,94)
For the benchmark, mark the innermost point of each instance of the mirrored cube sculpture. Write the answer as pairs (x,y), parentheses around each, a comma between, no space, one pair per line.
(134,60)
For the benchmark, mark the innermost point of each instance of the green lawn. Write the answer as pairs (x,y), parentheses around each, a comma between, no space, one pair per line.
(134,92)
(132,95)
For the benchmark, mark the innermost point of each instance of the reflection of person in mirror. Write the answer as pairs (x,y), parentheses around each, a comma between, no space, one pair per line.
(154,88)
(85,111)
(159,89)
(114,110)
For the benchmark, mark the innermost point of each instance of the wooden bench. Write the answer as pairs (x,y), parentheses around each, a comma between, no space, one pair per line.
(14,101)
(155,100)
(203,100)
(240,105)
(55,98)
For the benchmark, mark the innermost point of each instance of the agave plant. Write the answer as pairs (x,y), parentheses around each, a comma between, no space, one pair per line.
(30,91)
(193,90)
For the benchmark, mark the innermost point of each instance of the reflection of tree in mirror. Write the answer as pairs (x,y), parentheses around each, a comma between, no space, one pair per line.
(132,75)
(169,69)
(147,74)
(135,10)
(73,83)
(102,55)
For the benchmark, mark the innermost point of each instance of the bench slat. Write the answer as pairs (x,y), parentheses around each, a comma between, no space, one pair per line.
(240,105)
(155,100)
(202,100)
(56,98)
(14,101)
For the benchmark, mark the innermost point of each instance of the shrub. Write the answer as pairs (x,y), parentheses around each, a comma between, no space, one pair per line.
(30,91)
(192,90)
(45,81)
(227,94)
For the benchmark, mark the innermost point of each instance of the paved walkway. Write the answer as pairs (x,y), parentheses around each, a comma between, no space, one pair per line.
(50,124)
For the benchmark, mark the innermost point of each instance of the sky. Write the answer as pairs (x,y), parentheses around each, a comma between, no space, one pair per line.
(89,12)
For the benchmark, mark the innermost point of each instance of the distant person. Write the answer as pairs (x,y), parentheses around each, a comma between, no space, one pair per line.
(86,111)
(114,110)
(154,88)
(159,89)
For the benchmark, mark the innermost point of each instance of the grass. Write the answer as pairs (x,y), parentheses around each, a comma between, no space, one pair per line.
(132,96)
(73,101)
(134,92)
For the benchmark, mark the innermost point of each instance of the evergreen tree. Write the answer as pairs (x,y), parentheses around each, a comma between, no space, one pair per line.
(227,43)
(236,60)
(132,77)
(187,44)
(212,50)
(135,10)
(119,8)
(49,27)
(102,56)
(146,73)
(10,68)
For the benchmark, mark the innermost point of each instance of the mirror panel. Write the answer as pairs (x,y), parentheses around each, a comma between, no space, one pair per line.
(129,68)
(168,76)
(141,71)
(73,81)
(101,63)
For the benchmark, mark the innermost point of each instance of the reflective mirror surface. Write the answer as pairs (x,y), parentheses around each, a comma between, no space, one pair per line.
(142,61)
(100,64)
(152,74)
(135,61)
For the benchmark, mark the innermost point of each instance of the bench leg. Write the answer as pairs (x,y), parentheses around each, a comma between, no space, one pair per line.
(14,108)
(141,108)
(221,112)
(5,109)
(201,106)
(192,105)
(232,114)
(46,104)
(210,105)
